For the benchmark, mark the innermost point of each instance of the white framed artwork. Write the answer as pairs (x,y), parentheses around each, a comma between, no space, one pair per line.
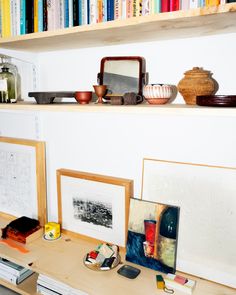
(22,178)
(94,206)
(206,196)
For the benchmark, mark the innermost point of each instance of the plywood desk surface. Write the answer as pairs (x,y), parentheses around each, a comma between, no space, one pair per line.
(63,260)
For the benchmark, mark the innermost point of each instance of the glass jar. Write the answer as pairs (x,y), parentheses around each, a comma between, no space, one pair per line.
(7,86)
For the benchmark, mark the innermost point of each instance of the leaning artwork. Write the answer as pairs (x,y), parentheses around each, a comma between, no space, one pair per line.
(94,206)
(152,235)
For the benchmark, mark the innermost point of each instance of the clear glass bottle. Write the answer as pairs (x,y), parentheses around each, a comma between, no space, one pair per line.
(6,61)
(7,86)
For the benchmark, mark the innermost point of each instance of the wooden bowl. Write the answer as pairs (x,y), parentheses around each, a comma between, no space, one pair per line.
(83,97)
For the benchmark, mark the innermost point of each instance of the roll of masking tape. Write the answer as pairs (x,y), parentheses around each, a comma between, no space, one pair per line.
(52,231)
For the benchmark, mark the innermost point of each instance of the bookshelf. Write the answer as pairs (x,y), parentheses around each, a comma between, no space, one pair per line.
(171,25)
(63,260)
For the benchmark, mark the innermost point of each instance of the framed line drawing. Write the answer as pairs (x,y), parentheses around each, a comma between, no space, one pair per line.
(22,179)
(206,197)
(93,206)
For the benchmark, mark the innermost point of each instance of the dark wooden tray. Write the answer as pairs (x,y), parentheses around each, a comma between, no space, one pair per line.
(48,97)
(217,100)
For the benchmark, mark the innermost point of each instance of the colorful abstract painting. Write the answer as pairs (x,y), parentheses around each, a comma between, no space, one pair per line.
(152,235)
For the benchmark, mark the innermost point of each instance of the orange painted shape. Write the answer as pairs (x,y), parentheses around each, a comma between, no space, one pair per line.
(14,245)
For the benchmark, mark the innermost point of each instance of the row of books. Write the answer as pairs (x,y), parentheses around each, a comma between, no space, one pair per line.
(12,272)
(49,286)
(19,17)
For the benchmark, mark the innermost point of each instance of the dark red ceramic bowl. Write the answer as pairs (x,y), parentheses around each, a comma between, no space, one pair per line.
(83,97)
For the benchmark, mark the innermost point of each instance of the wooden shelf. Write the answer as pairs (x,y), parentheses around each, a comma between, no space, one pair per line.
(27,287)
(144,108)
(170,25)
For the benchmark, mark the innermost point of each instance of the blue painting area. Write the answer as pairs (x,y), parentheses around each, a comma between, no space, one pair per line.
(135,253)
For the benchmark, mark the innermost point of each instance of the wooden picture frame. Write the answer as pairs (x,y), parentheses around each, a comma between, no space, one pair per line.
(93,207)
(206,197)
(23,179)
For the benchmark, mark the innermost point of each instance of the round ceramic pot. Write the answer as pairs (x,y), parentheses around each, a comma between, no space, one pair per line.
(157,93)
(196,82)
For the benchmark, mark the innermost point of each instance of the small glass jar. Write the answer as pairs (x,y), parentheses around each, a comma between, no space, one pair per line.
(7,86)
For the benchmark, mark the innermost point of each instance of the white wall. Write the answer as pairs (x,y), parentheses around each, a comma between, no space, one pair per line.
(166,62)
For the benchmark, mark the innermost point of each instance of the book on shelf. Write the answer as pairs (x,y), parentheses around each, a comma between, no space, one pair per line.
(184,4)
(11,267)
(13,272)
(165,6)
(180,283)
(174,5)
(193,4)
(6,18)
(16,280)
(47,285)
(212,2)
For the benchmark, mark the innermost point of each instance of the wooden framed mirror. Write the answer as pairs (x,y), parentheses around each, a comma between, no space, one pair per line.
(123,74)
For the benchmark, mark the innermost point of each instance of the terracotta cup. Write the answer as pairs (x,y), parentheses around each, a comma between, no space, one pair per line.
(83,97)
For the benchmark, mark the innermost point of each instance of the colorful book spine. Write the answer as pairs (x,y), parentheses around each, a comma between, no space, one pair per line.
(61,15)
(80,20)
(22,17)
(29,16)
(93,11)
(50,15)
(84,12)
(99,11)
(165,5)
(174,5)
(136,8)
(66,14)
(184,4)
(40,15)
(129,8)
(88,12)
(212,2)
(118,9)
(13,17)
(75,13)
(146,7)
(104,10)
(124,13)
(0,19)
(70,13)
(156,6)
(36,26)
(6,18)
(110,10)
(45,16)
(194,4)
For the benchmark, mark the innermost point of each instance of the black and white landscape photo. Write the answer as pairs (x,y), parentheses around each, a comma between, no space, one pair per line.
(93,211)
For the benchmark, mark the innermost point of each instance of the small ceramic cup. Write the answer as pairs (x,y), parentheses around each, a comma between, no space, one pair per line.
(83,97)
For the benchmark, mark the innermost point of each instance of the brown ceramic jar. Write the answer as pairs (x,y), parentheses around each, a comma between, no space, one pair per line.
(195,83)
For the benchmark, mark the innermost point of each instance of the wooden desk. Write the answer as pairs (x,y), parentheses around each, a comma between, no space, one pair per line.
(63,260)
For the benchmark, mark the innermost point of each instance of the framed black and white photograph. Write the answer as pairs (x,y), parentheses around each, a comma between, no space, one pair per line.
(94,206)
